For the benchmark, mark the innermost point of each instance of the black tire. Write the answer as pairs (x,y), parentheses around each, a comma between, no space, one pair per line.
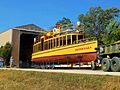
(93,65)
(115,64)
(50,66)
(106,64)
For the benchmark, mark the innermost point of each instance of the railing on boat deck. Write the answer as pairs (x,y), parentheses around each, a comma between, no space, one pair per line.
(86,40)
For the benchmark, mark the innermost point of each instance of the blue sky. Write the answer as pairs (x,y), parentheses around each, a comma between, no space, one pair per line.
(45,13)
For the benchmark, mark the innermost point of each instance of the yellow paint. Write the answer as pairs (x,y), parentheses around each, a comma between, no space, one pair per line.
(58,37)
(85,47)
(49,34)
(58,31)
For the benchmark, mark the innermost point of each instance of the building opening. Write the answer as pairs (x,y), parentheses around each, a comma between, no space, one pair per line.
(26,49)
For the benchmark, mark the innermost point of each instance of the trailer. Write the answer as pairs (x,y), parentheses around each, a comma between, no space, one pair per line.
(110,55)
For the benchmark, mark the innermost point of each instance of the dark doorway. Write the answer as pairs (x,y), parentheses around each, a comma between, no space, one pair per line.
(42,43)
(26,49)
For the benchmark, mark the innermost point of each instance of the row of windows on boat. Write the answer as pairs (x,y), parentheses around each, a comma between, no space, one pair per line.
(56,42)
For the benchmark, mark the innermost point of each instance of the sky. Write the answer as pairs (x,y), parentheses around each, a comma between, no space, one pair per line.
(45,13)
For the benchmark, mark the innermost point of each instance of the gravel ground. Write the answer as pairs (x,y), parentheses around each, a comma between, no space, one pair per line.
(72,71)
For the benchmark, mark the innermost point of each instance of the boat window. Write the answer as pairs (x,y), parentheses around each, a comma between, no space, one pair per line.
(57,42)
(42,44)
(61,41)
(73,39)
(64,40)
(80,37)
(39,39)
(48,44)
(39,47)
(35,48)
(51,44)
(68,39)
(45,45)
(54,43)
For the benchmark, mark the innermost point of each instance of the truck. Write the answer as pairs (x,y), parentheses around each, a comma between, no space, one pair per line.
(110,57)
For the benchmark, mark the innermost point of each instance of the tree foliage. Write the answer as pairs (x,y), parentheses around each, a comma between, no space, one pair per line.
(112,33)
(96,21)
(65,23)
(5,53)
(80,26)
(115,34)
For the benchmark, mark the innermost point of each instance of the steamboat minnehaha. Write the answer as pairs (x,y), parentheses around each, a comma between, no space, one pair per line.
(64,47)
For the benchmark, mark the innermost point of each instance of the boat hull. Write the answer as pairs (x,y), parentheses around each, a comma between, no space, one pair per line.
(83,52)
(64,59)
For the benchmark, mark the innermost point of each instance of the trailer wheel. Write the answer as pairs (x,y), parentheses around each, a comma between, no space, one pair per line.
(115,64)
(93,65)
(105,64)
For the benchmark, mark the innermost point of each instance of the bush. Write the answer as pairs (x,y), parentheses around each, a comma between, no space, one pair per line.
(5,53)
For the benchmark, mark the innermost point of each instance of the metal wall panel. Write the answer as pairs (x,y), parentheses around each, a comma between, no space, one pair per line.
(6,37)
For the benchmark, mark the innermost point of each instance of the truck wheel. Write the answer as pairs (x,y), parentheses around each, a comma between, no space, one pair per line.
(115,64)
(93,65)
(105,64)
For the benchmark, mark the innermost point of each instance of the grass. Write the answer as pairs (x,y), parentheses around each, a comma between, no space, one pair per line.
(23,80)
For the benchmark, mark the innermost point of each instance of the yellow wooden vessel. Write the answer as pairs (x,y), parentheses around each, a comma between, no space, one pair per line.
(63,47)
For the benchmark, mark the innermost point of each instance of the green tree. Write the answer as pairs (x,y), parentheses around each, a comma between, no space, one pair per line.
(115,34)
(96,20)
(5,52)
(65,23)
(80,27)
(112,32)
